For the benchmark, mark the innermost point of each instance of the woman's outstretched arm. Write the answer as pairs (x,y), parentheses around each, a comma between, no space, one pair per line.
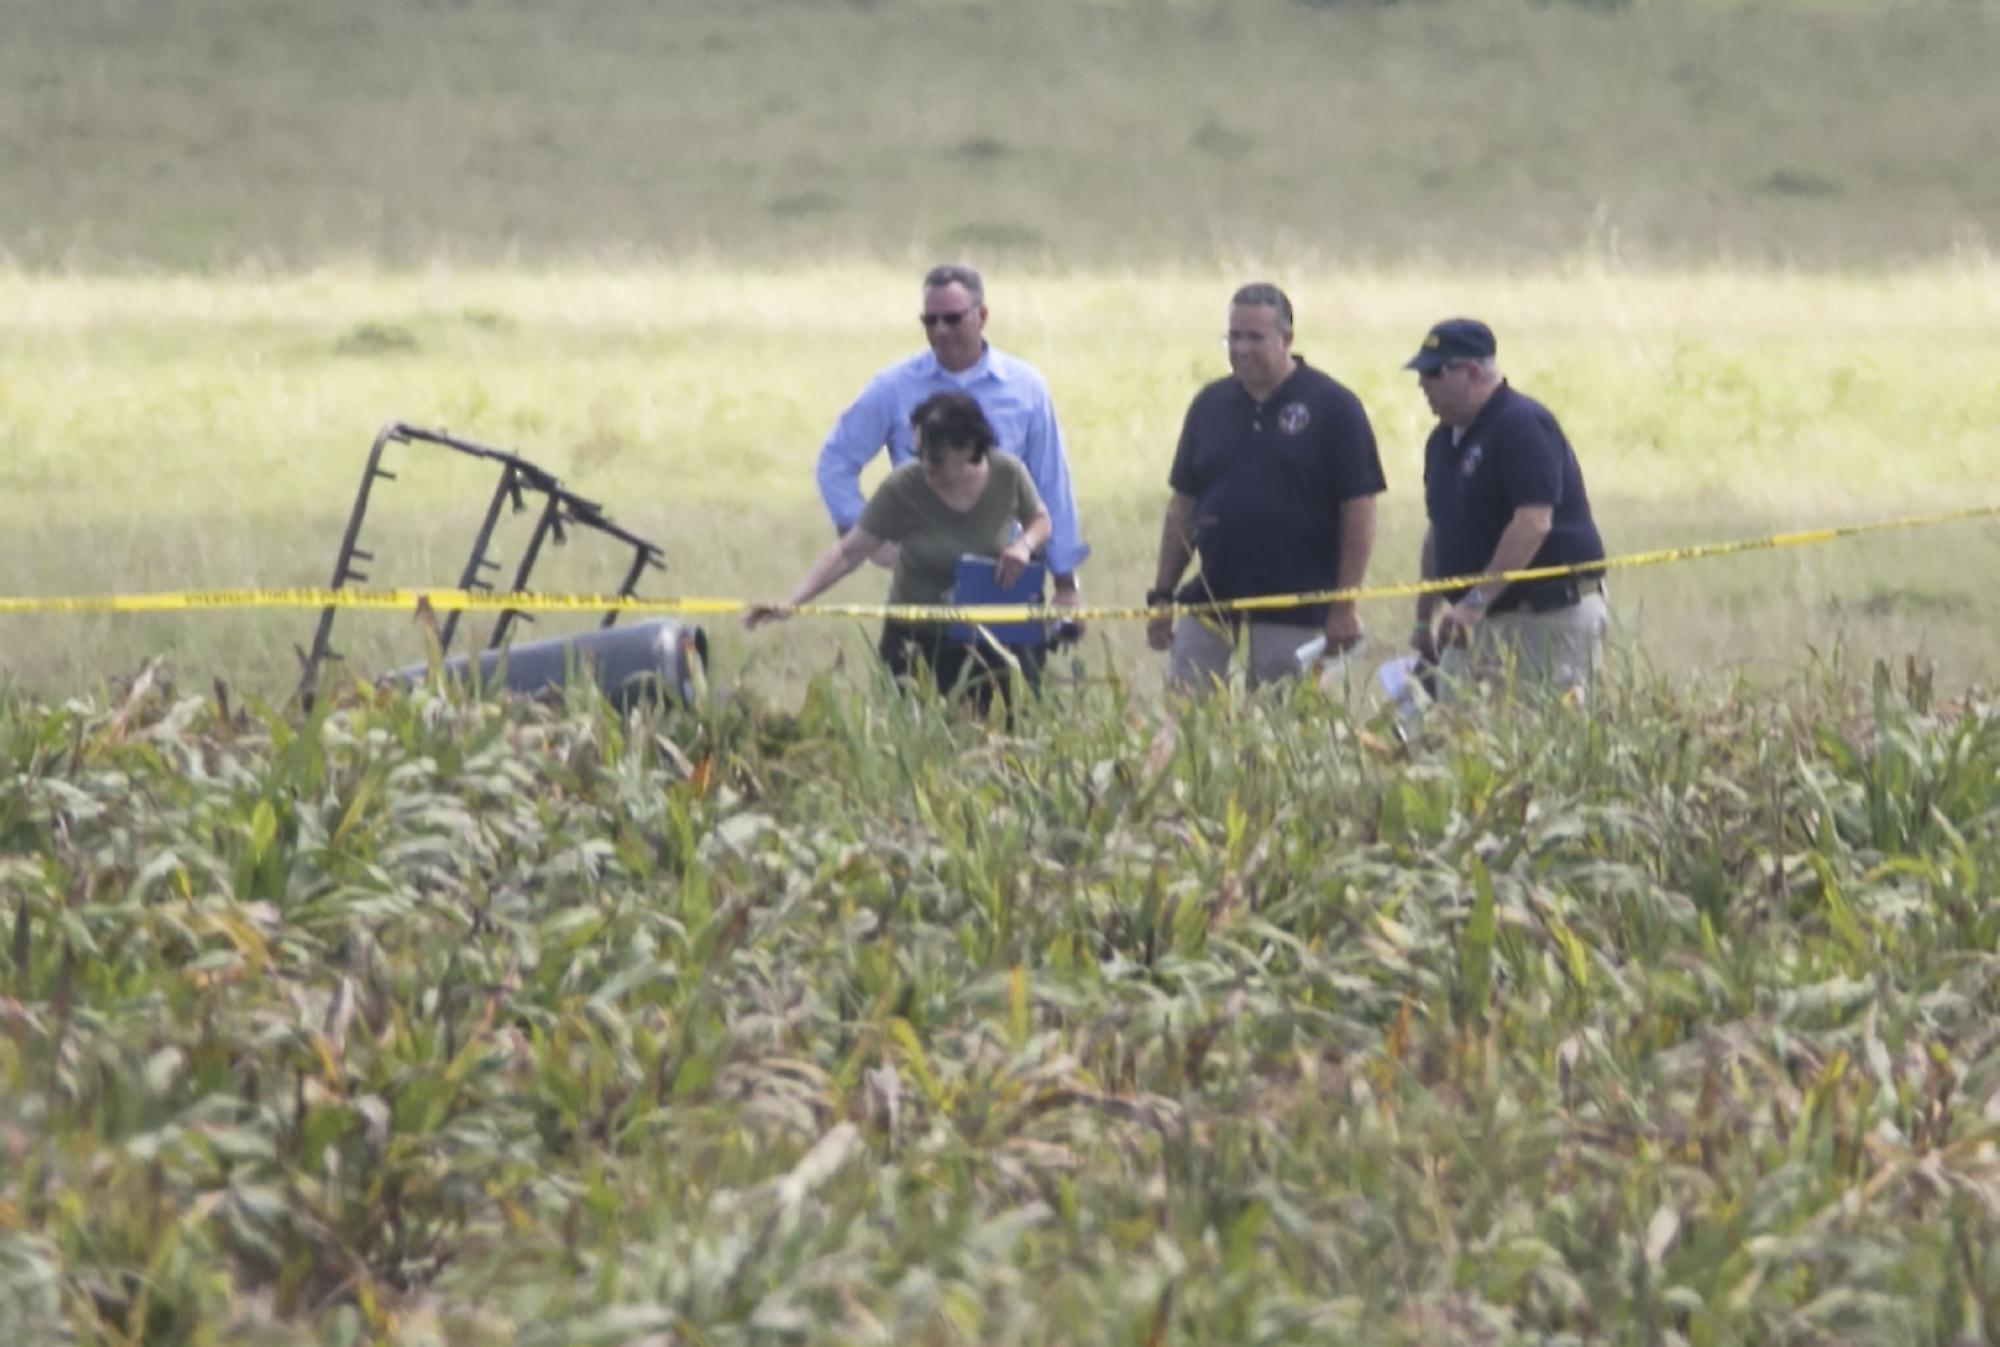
(834,565)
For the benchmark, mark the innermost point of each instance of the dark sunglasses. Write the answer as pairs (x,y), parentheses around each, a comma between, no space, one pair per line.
(948,319)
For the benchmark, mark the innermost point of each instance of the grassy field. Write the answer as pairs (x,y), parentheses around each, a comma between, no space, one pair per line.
(810,1014)
(1741,249)
(203,433)
(197,133)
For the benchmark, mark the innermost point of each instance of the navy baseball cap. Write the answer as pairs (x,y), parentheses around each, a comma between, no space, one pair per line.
(1453,339)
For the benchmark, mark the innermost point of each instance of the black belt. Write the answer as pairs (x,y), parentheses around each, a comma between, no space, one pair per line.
(1546,596)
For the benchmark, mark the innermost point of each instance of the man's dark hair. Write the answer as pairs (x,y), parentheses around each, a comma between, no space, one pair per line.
(953,273)
(953,420)
(1265,295)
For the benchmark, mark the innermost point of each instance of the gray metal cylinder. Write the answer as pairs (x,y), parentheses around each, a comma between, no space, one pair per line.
(646,661)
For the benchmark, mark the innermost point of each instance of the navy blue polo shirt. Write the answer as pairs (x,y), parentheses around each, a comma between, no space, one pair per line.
(1268,479)
(1513,454)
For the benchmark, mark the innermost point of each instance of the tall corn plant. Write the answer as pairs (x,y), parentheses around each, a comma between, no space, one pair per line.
(1253,1020)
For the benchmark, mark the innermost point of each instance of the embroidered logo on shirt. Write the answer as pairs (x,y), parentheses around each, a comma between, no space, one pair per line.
(1470,463)
(1294,418)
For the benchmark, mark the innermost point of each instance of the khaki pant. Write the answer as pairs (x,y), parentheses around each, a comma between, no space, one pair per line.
(1199,658)
(1562,649)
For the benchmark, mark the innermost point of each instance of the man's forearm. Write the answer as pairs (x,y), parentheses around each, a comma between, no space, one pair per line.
(1063,547)
(1066,548)
(1176,542)
(838,474)
(862,432)
(1427,604)
(1357,542)
(1042,454)
(1516,549)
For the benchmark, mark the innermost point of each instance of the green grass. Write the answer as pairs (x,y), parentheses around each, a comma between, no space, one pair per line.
(196,134)
(416,1019)
(419,1020)
(164,433)
(660,245)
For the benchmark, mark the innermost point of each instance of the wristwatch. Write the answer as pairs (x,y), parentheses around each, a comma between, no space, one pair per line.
(1475,598)
(1159,598)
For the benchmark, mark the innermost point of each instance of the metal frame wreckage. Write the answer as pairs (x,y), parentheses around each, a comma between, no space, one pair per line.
(632,663)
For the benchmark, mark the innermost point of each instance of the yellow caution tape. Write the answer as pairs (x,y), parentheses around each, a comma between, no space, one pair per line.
(458,600)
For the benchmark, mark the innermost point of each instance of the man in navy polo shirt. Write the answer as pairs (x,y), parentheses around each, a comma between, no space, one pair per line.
(1274,485)
(1503,492)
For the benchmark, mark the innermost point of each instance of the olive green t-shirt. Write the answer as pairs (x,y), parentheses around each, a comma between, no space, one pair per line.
(933,536)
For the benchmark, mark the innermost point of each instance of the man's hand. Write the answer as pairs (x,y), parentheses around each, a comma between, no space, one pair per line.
(1069,596)
(1343,629)
(1423,640)
(1460,621)
(1014,559)
(1160,630)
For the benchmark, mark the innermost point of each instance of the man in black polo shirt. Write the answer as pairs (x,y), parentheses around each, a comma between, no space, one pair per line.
(1503,492)
(1274,484)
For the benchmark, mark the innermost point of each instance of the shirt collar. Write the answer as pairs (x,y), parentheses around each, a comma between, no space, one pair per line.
(990,365)
(1298,367)
(1486,413)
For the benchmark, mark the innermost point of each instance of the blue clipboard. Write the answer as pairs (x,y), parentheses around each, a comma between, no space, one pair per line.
(974,583)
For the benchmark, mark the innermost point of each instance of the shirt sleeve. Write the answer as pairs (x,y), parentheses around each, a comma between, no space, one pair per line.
(1531,461)
(1042,454)
(1434,470)
(1357,461)
(1182,477)
(889,514)
(861,432)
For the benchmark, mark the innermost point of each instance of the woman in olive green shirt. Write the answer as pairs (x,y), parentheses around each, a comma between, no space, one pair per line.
(958,499)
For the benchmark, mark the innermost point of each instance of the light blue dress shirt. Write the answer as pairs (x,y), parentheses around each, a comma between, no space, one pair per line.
(1015,401)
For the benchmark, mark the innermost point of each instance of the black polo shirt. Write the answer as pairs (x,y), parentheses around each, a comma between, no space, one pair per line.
(1513,454)
(1268,479)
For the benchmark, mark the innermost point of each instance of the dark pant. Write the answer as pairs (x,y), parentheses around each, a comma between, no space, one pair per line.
(1546,596)
(971,668)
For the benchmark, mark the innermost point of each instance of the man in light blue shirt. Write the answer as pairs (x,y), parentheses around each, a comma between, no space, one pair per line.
(1009,391)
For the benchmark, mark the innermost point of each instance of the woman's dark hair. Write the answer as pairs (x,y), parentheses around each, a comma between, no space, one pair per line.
(953,420)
